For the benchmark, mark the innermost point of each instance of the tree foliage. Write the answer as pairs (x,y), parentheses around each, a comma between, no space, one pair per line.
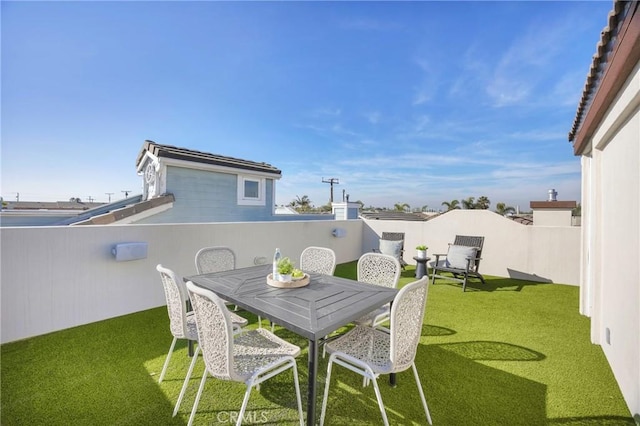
(451,205)
(503,209)
(482,203)
(301,204)
(401,207)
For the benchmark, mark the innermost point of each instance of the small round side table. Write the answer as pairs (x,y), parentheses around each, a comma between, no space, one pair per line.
(421,266)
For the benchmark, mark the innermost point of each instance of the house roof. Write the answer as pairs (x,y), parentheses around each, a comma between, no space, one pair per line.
(50,205)
(173,152)
(393,215)
(553,204)
(617,53)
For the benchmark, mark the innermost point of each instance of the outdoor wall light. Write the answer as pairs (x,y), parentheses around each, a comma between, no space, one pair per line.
(129,251)
(339,232)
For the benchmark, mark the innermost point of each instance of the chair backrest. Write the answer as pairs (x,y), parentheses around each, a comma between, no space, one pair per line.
(215,332)
(407,314)
(393,236)
(176,302)
(380,269)
(320,260)
(395,245)
(215,259)
(471,241)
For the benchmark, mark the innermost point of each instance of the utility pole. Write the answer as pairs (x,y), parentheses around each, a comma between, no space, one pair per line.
(331,181)
(109,194)
(89,198)
(126,193)
(17,197)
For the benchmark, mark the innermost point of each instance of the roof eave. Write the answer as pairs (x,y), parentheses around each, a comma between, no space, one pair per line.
(624,56)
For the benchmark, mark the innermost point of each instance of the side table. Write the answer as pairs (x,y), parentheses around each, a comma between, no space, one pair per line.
(421,266)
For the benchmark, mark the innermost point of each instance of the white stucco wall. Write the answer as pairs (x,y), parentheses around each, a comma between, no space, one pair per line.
(552,217)
(610,283)
(52,278)
(537,253)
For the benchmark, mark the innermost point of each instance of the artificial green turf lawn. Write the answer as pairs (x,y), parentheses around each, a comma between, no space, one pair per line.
(508,353)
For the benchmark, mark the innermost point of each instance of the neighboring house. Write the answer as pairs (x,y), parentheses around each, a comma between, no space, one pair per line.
(206,187)
(41,213)
(606,134)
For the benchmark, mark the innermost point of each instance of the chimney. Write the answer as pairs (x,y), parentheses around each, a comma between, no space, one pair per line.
(552,212)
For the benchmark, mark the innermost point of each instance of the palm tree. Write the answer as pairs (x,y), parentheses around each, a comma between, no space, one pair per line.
(468,203)
(401,207)
(482,203)
(451,205)
(503,209)
(301,204)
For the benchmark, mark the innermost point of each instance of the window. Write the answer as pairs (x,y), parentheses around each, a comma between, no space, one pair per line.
(251,191)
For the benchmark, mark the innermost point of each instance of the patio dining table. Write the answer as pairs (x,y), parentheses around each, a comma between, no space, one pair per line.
(314,311)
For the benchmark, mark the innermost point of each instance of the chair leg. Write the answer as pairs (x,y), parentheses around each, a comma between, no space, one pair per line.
(197,401)
(323,410)
(424,401)
(380,404)
(166,362)
(298,397)
(245,400)
(186,381)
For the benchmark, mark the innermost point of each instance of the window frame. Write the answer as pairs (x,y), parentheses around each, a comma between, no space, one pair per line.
(243,199)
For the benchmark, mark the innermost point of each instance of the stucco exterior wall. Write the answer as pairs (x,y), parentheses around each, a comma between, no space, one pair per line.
(550,217)
(54,278)
(610,283)
(59,277)
(537,253)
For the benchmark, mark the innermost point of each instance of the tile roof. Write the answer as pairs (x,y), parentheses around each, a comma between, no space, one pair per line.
(168,151)
(618,44)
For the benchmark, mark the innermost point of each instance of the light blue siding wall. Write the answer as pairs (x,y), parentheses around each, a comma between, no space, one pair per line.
(204,196)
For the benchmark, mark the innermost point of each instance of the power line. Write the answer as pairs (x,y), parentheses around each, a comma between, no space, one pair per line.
(331,181)
(126,192)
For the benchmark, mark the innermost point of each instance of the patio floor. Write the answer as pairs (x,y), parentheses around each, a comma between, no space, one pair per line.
(508,353)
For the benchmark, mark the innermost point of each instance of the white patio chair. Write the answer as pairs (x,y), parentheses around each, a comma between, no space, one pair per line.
(181,323)
(371,352)
(319,260)
(218,259)
(379,269)
(250,357)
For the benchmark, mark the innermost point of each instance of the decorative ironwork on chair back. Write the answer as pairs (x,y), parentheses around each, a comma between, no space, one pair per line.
(380,269)
(215,259)
(407,315)
(320,260)
(215,333)
(176,303)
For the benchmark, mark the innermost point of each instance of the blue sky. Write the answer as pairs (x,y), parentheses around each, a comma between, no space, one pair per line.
(403,102)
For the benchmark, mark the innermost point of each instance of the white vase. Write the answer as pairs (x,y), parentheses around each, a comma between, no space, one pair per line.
(285,278)
(422,254)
